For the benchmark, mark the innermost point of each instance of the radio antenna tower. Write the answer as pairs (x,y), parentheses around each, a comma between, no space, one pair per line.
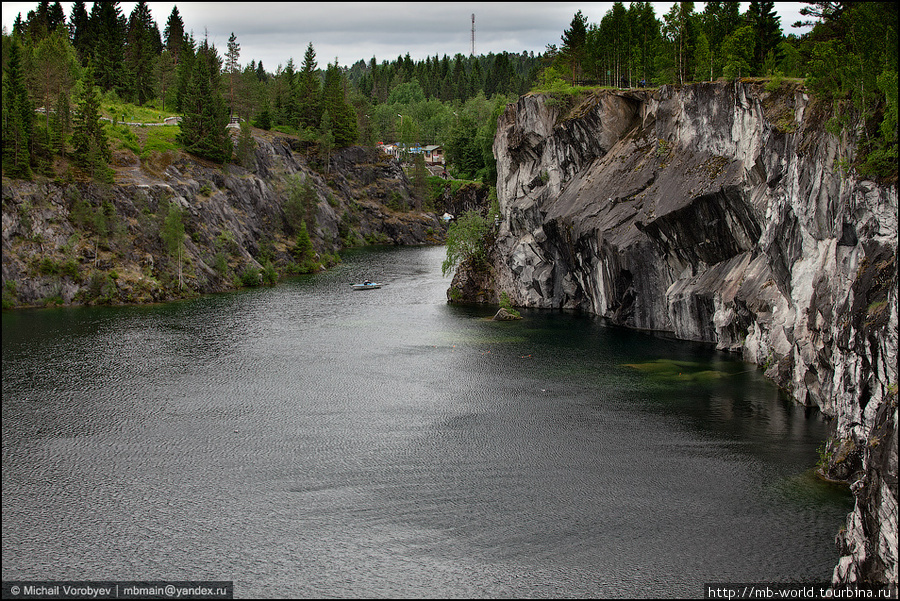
(473,34)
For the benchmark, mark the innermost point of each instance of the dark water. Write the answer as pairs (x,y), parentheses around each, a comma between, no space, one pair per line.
(308,440)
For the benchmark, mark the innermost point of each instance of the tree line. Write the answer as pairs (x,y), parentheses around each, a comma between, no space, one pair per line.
(61,67)
(847,59)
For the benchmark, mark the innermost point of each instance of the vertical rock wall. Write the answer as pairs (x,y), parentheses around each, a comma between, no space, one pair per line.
(721,213)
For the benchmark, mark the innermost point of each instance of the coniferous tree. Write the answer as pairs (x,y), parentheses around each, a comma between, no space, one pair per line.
(19,116)
(89,142)
(79,25)
(766,26)
(341,113)
(232,68)
(183,70)
(308,90)
(140,54)
(108,26)
(174,35)
(573,47)
(54,67)
(165,75)
(204,124)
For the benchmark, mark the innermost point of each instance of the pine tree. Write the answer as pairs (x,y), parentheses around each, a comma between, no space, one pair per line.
(108,45)
(766,26)
(79,24)
(174,35)
(232,67)
(183,70)
(310,113)
(19,113)
(574,40)
(165,75)
(204,124)
(341,113)
(140,53)
(89,142)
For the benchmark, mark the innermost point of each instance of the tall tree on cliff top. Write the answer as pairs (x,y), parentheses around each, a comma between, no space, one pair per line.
(204,124)
(573,48)
(308,92)
(54,66)
(140,53)
(334,101)
(766,26)
(232,68)
(677,31)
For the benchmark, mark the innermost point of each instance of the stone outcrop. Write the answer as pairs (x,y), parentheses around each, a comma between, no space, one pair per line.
(720,213)
(83,242)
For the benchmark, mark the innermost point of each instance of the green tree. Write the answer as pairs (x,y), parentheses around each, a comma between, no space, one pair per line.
(204,124)
(79,24)
(300,205)
(326,140)
(54,68)
(677,32)
(174,35)
(108,26)
(89,141)
(232,68)
(466,241)
(573,48)
(334,102)
(245,146)
(142,41)
(737,50)
(165,75)
(766,26)
(172,234)
(308,90)
(18,114)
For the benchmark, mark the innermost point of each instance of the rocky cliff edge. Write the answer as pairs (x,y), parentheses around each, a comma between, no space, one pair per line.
(724,213)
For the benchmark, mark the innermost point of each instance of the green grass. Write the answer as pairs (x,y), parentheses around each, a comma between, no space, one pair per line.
(143,141)
(119,112)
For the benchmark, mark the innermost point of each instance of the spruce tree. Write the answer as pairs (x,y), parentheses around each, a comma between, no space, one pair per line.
(766,26)
(174,35)
(108,55)
(574,40)
(204,124)
(341,113)
(19,113)
(79,25)
(140,53)
(310,113)
(89,142)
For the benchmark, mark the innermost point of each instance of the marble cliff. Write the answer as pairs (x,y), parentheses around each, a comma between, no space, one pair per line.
(724,213)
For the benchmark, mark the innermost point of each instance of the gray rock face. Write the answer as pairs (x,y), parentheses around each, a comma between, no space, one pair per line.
(234,220)
(721,213)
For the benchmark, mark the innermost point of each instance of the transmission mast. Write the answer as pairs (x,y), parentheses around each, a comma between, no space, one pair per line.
(473,34)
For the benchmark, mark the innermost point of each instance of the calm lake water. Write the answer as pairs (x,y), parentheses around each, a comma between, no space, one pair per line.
(308,440)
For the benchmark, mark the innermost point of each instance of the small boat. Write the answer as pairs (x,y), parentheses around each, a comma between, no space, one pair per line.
(367,285)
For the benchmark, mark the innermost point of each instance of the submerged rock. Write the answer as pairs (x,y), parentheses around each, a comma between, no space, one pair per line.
(505,315)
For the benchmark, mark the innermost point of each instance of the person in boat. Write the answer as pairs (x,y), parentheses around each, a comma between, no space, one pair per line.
(367,283)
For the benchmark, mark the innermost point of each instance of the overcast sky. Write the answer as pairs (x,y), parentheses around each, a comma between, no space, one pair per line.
(350,31)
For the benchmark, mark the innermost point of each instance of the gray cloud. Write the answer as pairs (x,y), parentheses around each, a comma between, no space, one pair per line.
(273,32)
